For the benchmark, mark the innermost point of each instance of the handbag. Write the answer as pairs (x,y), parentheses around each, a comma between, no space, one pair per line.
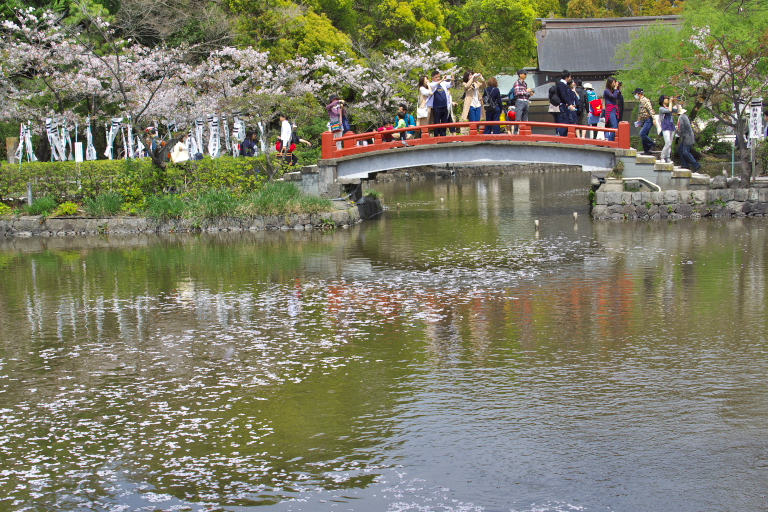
(422,112)
(336,126)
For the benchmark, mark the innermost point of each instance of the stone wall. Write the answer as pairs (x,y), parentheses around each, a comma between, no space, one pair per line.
(437,172)
(681,204)
(72,226)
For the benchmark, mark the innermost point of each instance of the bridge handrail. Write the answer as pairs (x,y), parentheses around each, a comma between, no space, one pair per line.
(349,140)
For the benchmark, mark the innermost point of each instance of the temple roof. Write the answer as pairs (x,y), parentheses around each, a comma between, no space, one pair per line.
(588,45)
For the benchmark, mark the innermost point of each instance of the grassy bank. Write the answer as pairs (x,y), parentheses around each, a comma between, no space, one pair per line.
(134,180)
(272,198)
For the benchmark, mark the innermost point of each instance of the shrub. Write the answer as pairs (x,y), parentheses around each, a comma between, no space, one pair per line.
(722,147)
(5,210)
(135,180)
(67,208)
(106,204)
(165,207)
(707,137)
(41,206)
(374,194)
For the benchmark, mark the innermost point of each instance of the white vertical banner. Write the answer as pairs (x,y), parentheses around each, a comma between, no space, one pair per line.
(756,119)
(225,129)
(78,151)
(262,139)
(192,147)
(129,149)
(52,128)
(198,135)
(28,138)
(213,136)
(22,139)
(90,150)
(111,134)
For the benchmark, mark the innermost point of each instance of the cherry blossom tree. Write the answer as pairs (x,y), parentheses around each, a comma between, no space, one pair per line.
(379,82)
(727,71)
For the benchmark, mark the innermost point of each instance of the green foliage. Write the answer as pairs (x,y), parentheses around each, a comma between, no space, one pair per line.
(41,206)
(166,207)
(707,137)
(373,194)
(106,204)
(66,208)
(621,8)
(5,210)
(493,34)
(721,147)
(281,198)
(653,56)
(214,204)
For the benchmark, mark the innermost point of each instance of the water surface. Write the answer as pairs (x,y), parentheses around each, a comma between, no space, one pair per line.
(446,357)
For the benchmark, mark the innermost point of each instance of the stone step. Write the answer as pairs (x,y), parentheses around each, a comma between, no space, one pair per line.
(645,159)
(663,166)
(679,172)
(699,179)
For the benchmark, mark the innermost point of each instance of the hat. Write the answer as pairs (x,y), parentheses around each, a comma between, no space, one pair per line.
(588,86)
(521,71)
(638,91)
(681,110)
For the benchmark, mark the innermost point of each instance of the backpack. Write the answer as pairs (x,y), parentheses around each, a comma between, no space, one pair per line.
(488,101)
(554,96)
(294,138)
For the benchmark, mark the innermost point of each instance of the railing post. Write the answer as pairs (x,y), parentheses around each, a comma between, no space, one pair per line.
(473,129)
(424,133)
(329,146)
(571,131)
(623,136)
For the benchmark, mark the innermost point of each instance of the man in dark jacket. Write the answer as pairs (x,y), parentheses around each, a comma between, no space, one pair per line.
(687,140)
(567,105)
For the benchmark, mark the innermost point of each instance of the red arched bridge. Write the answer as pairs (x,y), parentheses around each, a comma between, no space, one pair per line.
(357,155)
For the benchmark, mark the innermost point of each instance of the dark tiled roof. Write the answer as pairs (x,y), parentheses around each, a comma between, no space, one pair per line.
(588,45)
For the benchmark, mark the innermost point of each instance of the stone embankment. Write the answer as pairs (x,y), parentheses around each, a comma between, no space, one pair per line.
(73,226)
(739,202)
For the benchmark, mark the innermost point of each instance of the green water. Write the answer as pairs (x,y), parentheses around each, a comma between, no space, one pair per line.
(444,357)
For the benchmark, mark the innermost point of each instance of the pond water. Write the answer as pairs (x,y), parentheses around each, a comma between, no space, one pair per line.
(445,357)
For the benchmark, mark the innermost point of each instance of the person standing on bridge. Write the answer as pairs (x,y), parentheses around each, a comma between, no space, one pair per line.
(423,111)
(335,110)
(493,111)
(439,101)
(521,95)
(567,103)
(611,99)
(645,120)
(474,83)
(595,108)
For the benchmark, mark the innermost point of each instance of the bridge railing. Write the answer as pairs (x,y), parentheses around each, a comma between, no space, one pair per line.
(357,143)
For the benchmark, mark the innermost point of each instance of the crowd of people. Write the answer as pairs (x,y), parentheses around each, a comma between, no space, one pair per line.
(571,102)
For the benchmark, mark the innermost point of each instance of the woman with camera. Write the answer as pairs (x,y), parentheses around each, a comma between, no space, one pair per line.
(423,112)
(611,97)
(474,83)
